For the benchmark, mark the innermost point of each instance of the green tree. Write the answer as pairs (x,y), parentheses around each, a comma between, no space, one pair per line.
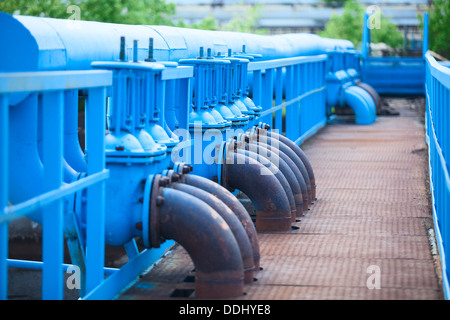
(349,25)
(438,27)
(247,22)
(46,8)
(117,11)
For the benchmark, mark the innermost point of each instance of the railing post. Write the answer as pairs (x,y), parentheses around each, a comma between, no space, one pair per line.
(425,34)
(365,37)
(278,124)
(95,235)
(52,154)
(4,156)
(267,96)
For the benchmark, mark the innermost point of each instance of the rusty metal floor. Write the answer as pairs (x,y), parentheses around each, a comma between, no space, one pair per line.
(372,211)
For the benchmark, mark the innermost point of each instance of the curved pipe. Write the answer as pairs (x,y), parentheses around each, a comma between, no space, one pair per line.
(26,172)
(276,143)
(301,154)
(278,174)
(298,175)
(72,150)
(373,93)
(364,110)
(208,240)
(236,227)
(269,199)
(233,203)
(287,171)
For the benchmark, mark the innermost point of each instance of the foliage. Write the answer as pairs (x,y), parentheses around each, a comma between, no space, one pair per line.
(151,12)
(247,22)
(349,25)
(116,11)
(47,8)
(438,27)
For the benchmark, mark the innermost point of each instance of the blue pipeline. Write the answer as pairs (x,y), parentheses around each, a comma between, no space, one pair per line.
(343,76)
(138,141)
(58,44)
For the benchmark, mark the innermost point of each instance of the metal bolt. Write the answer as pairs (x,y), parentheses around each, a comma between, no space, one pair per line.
(120,148)
(159,201)
(175,177)
(135,51)
(122,49)
(164,181)
(139,225)
(150,50)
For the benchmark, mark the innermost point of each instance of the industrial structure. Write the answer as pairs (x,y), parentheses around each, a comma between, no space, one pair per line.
(177,123)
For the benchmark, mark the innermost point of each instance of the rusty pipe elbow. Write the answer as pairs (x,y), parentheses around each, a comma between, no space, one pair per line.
(279,143)
(285,168)
(236,227)
(299,175)
(301,154)
(234,204)
(278,174)
(209,241)
(273,212)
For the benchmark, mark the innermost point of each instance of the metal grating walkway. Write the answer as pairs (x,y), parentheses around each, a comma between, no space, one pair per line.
(373,209)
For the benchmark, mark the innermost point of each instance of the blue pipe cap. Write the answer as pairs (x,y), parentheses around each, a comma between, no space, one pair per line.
(148,143)
(122,143)
(160,135)
(203,119)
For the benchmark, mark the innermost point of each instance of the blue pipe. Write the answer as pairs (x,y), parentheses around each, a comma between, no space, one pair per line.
(52,44)
(362,105)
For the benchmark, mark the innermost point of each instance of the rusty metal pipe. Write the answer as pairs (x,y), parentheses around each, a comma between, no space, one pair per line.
(287,172)
(297,173)
(276,143)
(236,227)
(207,238)
(278,174)
(301,154)
(269,199)
(233,203)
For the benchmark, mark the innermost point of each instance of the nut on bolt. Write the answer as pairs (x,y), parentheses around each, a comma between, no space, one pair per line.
(164,181)
(159,201)
(187,168)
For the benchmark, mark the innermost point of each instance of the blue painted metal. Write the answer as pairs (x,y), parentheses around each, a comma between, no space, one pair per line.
(160,103)
(437,115)
(343,73)
(46,202)
(393,75)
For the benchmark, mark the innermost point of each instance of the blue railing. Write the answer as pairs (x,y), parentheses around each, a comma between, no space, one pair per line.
(393,75)
(292,94)
(51,87)
(438,138)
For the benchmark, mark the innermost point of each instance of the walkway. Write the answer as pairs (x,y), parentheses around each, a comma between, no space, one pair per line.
(372,215)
